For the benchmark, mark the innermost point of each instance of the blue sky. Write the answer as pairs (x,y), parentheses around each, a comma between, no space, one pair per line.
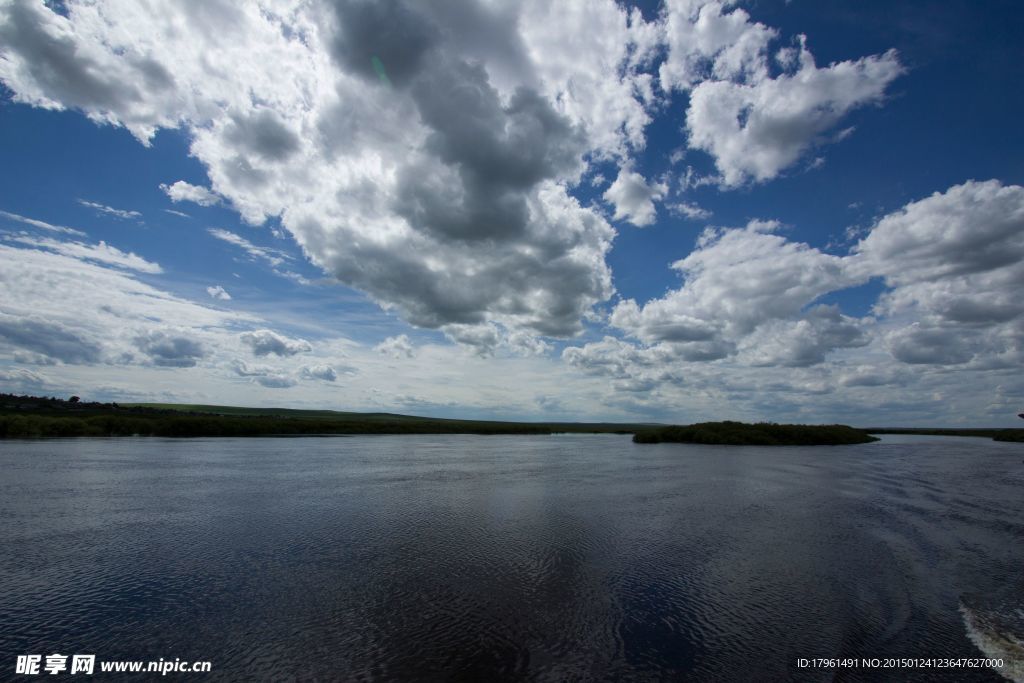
(680,211)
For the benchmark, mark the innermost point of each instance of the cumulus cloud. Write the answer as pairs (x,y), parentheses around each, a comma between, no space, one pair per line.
(804,342)
(734,281)
(276,381)
(436,178)
(182,191)
(481,338)
(398,346)
(427,154)
(325,373)
(633,197)
(218,292)
(747,308)
(754,124)
(756,131)
(169,348)
(266,342)
(424,153)
(954,265)
(53,339)
(264,375)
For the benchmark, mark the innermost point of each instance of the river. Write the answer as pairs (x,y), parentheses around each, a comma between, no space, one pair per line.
(510,558)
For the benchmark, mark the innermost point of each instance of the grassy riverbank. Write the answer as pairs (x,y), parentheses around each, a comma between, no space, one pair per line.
(29,417)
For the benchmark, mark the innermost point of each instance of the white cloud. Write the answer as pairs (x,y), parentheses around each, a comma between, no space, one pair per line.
(218,292)
(20,379)
(264,375)
(325,373)
(690,211)
(804,342)
(440,185)
(182,191)
(707,42)
(633,197)
(755,131)
(443,194)
(753,124)
(734,281)
(266,342)
(100,253)
(274,257)
(66,305)
(443,191)
(111,211)
(744,328)
(954,265)
(43,225)
(972,228)
(398,346)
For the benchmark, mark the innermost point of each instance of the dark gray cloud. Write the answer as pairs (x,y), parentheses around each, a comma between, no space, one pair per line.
(930,346)
(482,153)
(388,33)
(49,338)
(470,193)
(276,381)
(262,133)
(170,349)
(492,153)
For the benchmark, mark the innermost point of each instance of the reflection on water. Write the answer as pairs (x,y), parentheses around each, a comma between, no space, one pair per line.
(546,558)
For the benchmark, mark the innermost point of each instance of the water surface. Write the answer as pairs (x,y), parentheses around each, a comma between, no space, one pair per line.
(541,557)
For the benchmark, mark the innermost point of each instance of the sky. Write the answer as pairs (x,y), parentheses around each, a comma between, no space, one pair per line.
(777,210)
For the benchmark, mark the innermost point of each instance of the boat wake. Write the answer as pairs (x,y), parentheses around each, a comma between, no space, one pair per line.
(997,629)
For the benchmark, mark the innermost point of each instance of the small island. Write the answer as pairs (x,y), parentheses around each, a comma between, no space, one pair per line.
(760,434)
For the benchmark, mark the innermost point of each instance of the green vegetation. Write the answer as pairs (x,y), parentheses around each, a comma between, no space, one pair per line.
(760,434)
(29,416)
(1015,435)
